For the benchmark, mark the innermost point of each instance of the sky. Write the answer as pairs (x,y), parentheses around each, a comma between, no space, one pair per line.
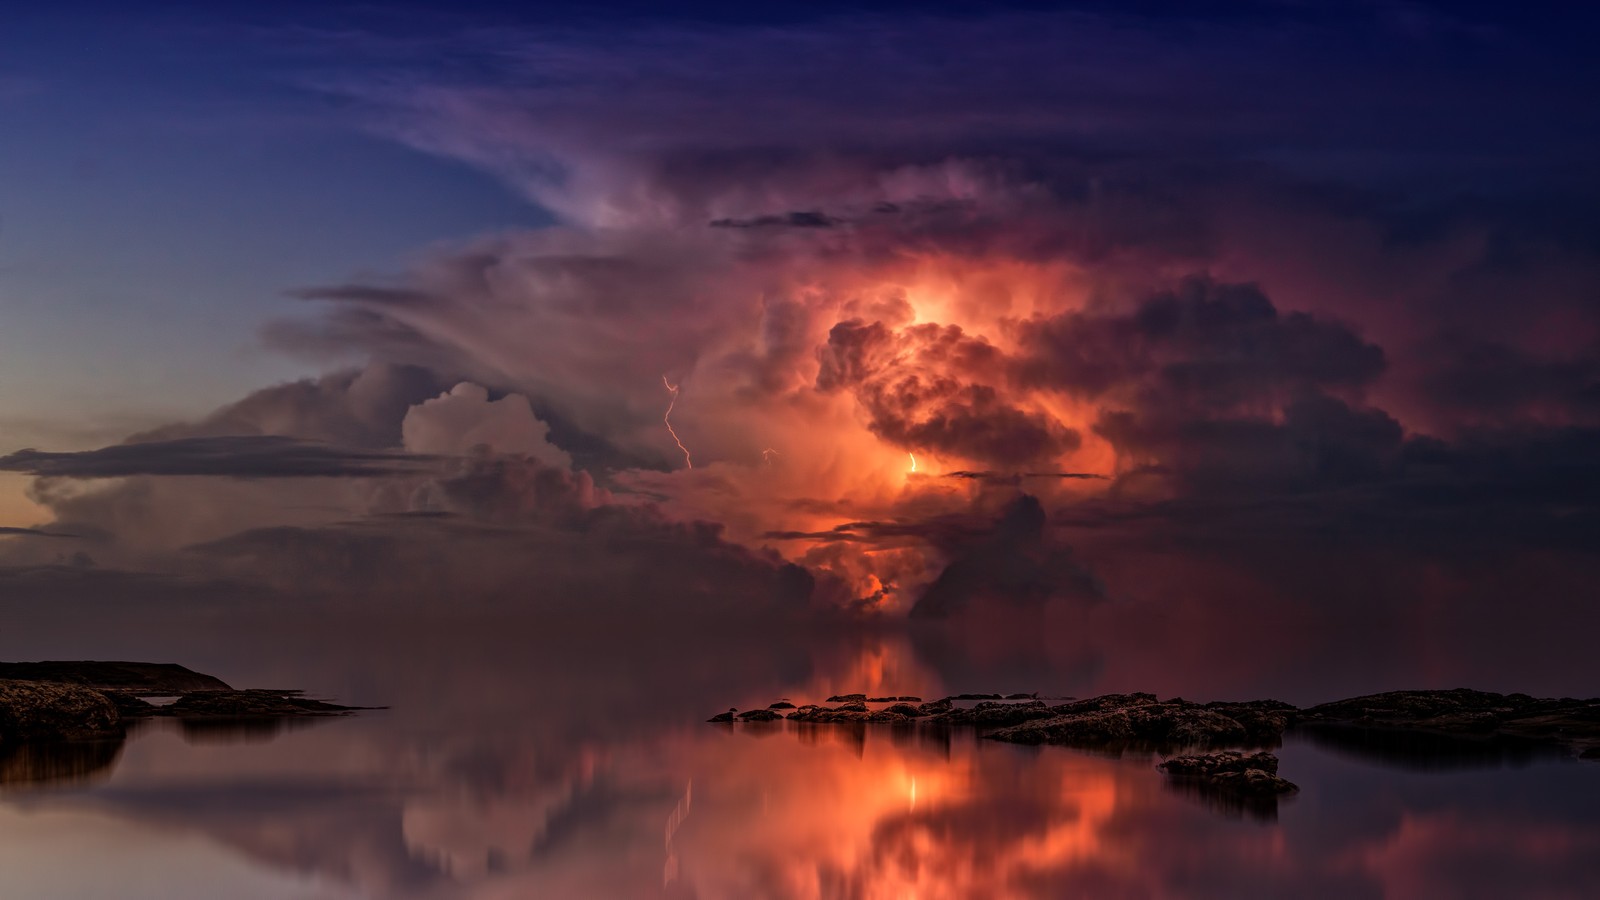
(954,312)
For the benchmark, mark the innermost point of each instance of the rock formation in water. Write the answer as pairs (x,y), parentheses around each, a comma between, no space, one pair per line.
(1142,720)
(1132,721)
(46,711)
(1230,772)
(1230,780)
(135,677)
(1573,724)
(67,701)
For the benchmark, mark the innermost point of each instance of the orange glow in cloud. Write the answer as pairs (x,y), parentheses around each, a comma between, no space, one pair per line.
(837,463)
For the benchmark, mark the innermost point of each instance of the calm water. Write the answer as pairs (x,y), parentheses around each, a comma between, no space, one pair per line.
(521,759)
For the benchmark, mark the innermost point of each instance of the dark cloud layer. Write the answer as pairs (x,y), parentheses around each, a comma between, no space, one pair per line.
(237,456)
(1012,565)
(12,531)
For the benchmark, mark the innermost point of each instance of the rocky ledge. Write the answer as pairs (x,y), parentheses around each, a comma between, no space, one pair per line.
(73,701)
(1142,721)
(1477,715)
(1231,782)
(45,711)
(1230,772)
(1115,720)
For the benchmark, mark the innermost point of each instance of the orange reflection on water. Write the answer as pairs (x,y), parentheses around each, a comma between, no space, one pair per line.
(834,811)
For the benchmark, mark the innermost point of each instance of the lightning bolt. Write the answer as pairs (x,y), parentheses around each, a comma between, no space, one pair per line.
(666,418)
(913,461)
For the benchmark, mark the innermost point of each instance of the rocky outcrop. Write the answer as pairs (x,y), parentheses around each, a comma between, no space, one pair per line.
(1253,774)
(46,711)
(1393,726)
(66,722)
(1230,782)
(69,701)
(1140,720)
(993,714)
(1570,723)
(1143,721)
(248,704)
(759,715)
(131,677)
(847,713)
(781,704)
(1264,721)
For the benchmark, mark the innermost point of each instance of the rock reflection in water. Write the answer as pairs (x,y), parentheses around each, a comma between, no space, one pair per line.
(85,763)
(239,731)
(1427,751)
(68,763)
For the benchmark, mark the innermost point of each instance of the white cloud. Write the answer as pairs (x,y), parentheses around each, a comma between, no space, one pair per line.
(465,418)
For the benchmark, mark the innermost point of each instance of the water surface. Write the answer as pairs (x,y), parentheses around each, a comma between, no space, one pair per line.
(525,759)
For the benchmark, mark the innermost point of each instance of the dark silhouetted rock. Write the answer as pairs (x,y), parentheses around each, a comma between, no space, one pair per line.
(1567,722)
(846,713)
(722,717)
(907,710)
(54,711)
(1231,782)
(1230,770)
(134,677)
(249,704)
(975,697)
(993,714)
(86,701)
(759,715)
(781,704)
(847,698)
(1125,720)
(936,706)
(1264,721)
(1033,696)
